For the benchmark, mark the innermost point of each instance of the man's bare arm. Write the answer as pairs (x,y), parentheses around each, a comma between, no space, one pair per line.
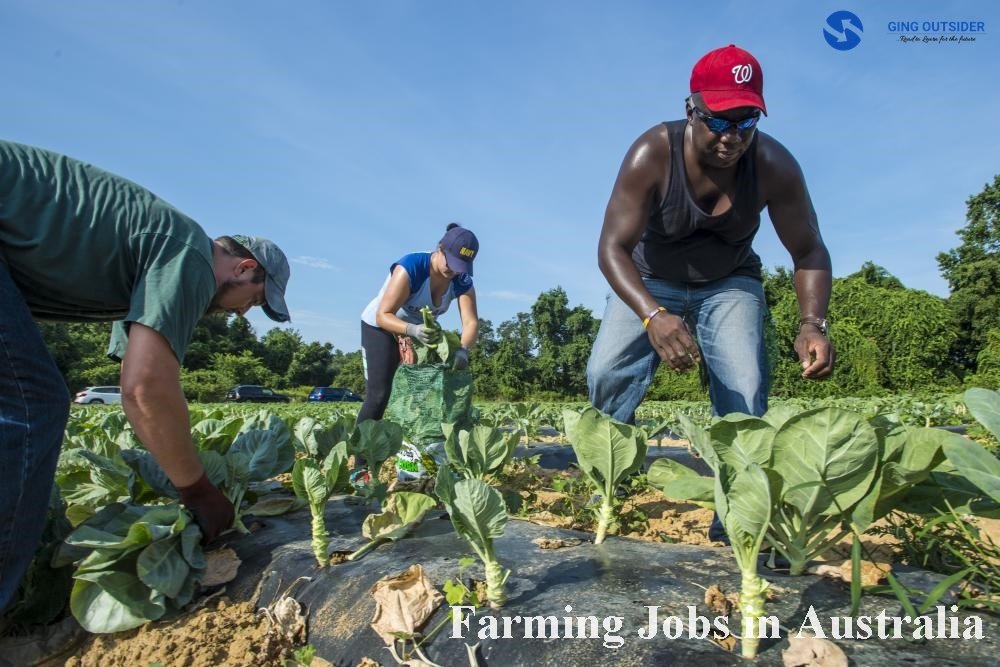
(794,219)
(642,173)
(155,406)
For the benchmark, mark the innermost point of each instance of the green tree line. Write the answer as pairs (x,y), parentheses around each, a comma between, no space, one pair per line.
(889,338)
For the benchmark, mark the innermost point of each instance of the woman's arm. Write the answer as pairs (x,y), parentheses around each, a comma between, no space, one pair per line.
(396,294)
(470,318)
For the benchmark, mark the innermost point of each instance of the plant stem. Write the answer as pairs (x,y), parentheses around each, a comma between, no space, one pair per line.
(751,609)
(365,549)
(320,541)
(496,578)
(604,518)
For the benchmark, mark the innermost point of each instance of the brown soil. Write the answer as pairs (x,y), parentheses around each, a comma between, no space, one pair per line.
(646,515)
(219,634)
(682,523)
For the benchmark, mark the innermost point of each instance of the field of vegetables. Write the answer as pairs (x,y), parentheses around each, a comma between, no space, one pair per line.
(866,491)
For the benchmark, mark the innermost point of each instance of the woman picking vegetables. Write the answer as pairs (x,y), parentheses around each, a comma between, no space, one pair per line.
(431,279)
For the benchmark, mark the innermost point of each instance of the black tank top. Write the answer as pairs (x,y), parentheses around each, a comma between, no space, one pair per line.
(683,243)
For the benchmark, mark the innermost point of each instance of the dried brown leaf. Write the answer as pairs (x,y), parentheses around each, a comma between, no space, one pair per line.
(717,601)
(812,652)
(871,573)
(221,566)
(727,643)
(403,603)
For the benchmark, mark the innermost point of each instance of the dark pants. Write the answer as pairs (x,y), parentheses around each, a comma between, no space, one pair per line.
(34,407)
(380,354)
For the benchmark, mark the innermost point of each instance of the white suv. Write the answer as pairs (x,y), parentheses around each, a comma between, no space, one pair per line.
(99,395)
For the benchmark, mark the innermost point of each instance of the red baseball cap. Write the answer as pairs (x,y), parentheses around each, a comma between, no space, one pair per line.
(727,78)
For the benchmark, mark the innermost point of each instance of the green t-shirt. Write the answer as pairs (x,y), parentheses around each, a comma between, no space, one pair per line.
(83,244)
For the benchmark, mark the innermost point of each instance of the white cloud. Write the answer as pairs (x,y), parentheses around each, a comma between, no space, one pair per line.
(314,262)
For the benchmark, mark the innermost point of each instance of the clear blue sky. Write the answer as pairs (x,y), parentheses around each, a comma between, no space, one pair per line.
(352,132)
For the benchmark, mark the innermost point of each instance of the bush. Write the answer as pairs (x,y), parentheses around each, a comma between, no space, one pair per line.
(856,371)
(298,394)
(670,385)
(206,386)
(987,373)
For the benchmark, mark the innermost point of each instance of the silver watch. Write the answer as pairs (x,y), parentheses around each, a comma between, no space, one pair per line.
(820,323)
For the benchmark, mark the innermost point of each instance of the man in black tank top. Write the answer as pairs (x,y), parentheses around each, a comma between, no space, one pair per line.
(676,250)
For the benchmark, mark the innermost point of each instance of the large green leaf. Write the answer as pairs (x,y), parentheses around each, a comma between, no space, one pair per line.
(146,467)
(984,404)
(778,415)
(827,459)
(191,547)
(310,482)
(478,513)
(317,438)
(700,440)
(162,567)
(269,452)
(444,485)
(977,465)
(215,467)
(110,601)
(606,450)
(747,513)
(376,440)
(91,479)
(216,434)
(335,467)
(678,482)
(948,488)
(741,440)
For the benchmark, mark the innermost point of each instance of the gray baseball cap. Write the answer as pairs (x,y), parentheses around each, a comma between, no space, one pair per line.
(270,256)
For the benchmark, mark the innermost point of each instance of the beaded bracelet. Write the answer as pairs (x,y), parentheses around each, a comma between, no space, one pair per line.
(653,313)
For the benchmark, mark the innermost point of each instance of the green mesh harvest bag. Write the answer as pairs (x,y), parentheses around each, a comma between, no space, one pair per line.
(426,395)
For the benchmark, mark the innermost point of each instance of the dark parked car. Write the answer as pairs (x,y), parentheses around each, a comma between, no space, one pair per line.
(333,394)
(254,393)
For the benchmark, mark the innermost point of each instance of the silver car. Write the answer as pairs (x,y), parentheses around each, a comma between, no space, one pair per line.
(99,395)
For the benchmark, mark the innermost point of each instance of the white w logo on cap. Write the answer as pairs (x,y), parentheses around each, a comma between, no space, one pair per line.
(742,73)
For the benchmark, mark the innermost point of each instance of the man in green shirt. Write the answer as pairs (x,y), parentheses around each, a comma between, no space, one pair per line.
(80,244)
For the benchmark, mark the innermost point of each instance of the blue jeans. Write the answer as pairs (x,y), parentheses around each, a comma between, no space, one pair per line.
(726,317)
(34,407)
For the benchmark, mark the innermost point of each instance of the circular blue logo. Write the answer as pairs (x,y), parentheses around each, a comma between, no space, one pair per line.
(843,30)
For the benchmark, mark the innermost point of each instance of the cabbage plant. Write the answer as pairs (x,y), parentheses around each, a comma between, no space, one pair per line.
(479,515)
(831,472)
(255,455)
(607,452)
(375,441)
(743,502)
(977,465)
(402,511)
(134,564)
(315,482)
(478,452)
(316,438)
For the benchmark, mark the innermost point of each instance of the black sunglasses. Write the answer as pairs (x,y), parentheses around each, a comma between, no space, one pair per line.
(721,125)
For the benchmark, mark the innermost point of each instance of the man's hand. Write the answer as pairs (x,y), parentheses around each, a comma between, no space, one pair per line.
(461,359)
(670,337)
(425,334)
(211,509)
(816,353)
